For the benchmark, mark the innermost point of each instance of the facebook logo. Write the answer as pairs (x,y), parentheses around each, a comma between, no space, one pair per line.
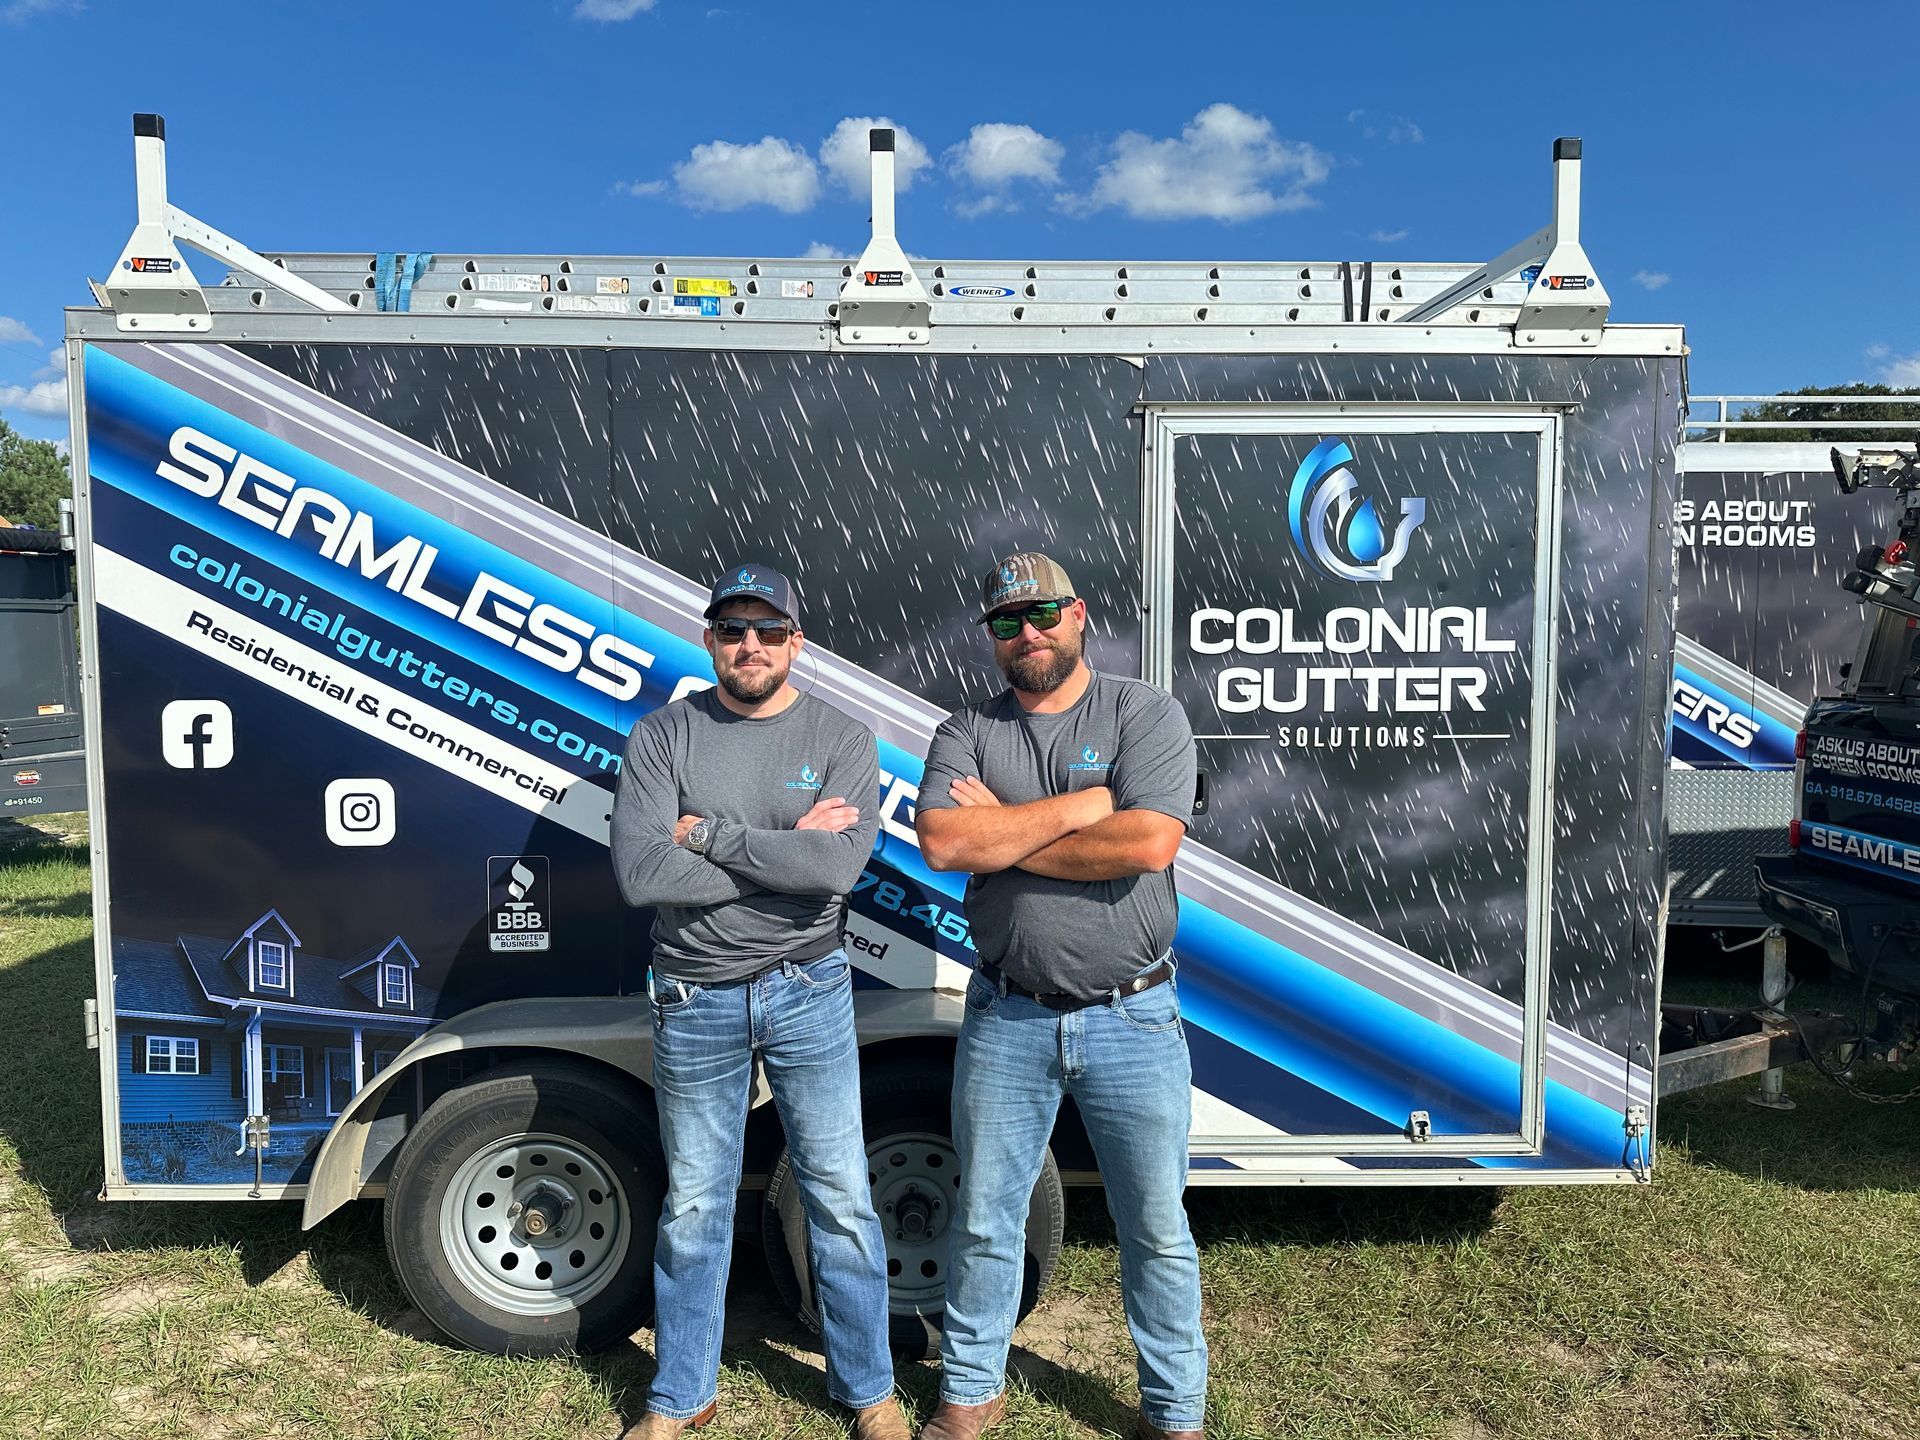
(196,734)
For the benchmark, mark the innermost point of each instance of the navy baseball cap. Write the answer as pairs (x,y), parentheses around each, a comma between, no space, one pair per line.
(755,582)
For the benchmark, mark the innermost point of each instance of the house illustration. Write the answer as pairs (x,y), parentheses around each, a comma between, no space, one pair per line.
(212,1030)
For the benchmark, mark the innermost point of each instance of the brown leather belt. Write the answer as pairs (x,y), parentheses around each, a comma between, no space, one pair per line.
(1060,1000)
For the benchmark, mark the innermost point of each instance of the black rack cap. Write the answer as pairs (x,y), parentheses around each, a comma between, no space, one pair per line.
(1567,147)
(878,140)
(149,127)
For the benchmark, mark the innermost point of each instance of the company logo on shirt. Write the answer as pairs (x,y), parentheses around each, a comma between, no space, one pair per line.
(809,779)
(1339,532)
(1090,760)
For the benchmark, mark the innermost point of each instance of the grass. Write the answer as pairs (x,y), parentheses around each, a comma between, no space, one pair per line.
(1764,1285)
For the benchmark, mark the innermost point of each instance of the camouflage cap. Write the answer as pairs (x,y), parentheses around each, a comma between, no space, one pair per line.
(1023,579)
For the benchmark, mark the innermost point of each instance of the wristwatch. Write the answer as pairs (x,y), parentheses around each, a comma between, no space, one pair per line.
(698,836)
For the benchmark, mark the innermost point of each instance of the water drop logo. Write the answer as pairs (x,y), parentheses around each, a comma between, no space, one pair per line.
(746,577)
(806,774)
(1007,575)
(809,779)
(1338,530)
(1090,755)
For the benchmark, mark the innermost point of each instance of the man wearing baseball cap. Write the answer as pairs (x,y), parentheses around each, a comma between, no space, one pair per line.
(1067,797)
(745,814)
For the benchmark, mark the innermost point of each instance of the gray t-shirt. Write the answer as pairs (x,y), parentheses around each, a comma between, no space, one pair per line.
(763,891)
(1073,936)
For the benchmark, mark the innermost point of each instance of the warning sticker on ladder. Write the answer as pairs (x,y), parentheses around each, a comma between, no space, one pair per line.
(591,304)
(691,307)
(513,284)
(690,286)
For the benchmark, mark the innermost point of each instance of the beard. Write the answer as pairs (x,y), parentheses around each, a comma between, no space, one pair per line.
(1042,672)
(755,683)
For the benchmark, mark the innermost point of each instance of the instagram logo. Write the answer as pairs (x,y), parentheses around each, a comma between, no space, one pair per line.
(359,812)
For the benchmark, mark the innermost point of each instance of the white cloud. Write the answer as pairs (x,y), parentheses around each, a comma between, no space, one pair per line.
(1224,165)
(46,397)
(22,10)
(13,331)
(1384,125)
(723,176)
(843,154)
(1387,237)
(1651,279)
(640,187)
(995,157)
(1901,371)
(1879,352)
(820,250)
(610,9)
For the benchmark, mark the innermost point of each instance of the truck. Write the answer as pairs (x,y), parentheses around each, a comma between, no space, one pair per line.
(382,554)
(42,769)
(1849,878)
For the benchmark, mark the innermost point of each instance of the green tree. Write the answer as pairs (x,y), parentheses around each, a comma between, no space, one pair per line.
(1903,420)
(34,479)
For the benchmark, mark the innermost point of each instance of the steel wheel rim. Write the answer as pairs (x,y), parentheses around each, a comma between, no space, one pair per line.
(915,1178)
(527,1265)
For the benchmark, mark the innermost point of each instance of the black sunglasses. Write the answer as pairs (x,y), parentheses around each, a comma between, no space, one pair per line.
(1044,616)
(773,633)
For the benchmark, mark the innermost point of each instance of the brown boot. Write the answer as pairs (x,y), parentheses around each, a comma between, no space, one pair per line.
(962,1422)
(664,1427)
(1145,1429)
(881,1422)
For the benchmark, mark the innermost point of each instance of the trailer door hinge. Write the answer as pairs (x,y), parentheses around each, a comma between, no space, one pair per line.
(1419,1126)
(90,1017)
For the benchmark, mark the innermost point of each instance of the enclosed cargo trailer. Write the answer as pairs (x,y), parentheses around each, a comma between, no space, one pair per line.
(382,557)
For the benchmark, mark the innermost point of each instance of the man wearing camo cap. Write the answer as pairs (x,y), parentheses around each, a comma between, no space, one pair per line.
(1067,797)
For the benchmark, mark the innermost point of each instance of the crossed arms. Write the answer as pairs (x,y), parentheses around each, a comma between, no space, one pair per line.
(822,855)
(1077,836)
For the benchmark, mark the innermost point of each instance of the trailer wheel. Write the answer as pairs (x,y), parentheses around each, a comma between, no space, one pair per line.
(911,1165)
(521,1212)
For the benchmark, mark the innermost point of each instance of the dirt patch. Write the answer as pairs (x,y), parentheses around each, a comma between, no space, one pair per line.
(140,1295)
(296,1274)
(49,1267)
(70,829)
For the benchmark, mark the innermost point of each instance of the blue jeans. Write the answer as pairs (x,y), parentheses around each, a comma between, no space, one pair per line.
(799,1020)
(1124,1061)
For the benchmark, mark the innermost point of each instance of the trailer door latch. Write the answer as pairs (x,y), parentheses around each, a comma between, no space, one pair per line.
(1419,1126)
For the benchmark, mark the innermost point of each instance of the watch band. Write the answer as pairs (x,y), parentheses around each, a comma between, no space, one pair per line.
(699,835)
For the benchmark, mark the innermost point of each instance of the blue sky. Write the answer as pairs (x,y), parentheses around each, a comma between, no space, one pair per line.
(1750,167)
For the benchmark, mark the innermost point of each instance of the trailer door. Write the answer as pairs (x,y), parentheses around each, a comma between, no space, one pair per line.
(1355,610)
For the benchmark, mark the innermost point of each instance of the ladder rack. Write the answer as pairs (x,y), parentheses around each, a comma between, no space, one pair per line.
(1542,291)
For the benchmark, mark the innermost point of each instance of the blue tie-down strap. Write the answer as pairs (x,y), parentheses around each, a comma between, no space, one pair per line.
(394,274)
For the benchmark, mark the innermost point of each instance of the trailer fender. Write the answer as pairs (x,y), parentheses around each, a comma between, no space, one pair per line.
(612,1030)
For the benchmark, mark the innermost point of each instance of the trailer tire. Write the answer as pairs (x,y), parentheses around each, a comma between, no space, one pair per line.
(522,1209)
(906,1111)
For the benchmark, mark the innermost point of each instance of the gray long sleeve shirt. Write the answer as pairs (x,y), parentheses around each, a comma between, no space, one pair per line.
(763,892)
